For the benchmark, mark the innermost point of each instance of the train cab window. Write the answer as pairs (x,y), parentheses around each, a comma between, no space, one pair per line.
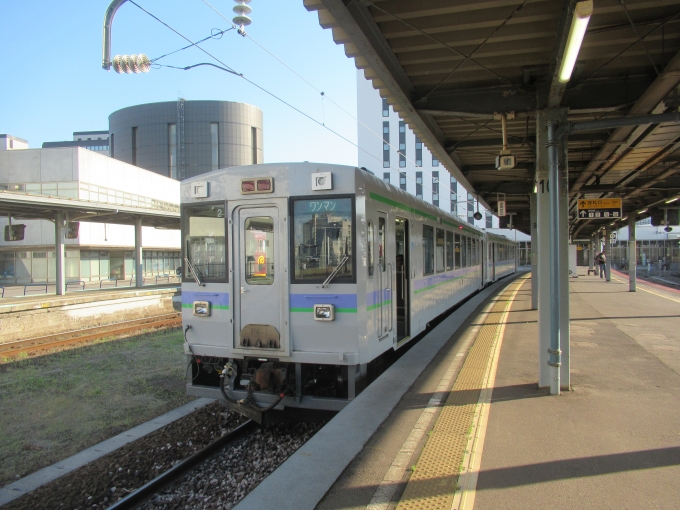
(449,250)
(259,246)
(204,229)
(369,248)
(439,251)
(428,250)
(457,260)
(322,239)
(381,243)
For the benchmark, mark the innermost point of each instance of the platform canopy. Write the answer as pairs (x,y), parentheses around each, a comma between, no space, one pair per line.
(451,68)
(24,206)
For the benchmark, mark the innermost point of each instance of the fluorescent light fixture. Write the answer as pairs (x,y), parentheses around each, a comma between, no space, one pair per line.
(624,218)
(579,24)
(672,200)
(642,211)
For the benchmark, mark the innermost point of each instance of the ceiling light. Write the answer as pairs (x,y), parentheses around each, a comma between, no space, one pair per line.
(579,23)
(672,200)
(642,211)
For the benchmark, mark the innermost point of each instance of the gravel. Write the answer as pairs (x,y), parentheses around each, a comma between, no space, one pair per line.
(226,478)
(220,482)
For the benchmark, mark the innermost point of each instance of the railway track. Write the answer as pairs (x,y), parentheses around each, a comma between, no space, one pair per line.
(147,491)
(15,348)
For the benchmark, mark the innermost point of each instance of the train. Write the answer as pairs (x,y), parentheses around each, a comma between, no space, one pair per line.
(298,277)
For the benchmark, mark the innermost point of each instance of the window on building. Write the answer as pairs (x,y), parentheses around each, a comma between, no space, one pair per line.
(402,144)
(435,161)
(385,108)
(435,188)
(402,180)
(214,145)
(172,151)
(386,177)
(419,152)
(134,146)
(111,145)
(419,184)
(470,208)
(454,196)
(489,220)
(253,143)
(386,144)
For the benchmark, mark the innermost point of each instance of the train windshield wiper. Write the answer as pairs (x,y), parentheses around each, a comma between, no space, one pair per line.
(192,269)
(335,271)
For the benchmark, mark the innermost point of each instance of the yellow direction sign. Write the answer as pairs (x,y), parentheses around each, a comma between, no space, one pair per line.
(599,208)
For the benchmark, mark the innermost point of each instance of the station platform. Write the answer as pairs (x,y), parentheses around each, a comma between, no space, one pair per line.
(35,315)
(472,430)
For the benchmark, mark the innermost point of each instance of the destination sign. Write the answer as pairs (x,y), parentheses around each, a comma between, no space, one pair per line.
(599,208)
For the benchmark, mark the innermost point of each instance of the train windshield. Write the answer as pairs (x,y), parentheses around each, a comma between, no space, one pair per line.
(205,242)
(322,238)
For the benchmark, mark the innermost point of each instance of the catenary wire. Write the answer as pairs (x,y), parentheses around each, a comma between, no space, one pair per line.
(323,95)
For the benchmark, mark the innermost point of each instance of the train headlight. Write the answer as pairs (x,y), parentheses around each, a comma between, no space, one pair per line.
(324,312)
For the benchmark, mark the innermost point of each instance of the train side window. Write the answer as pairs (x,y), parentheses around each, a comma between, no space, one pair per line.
(463,252)
(369,248)
(449,250)
(322,233)
(469,252)
(457,261)
(381,243)
(204,235)
(439,251)
(428,250)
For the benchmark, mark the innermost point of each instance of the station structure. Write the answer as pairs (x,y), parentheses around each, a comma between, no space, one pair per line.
(533,106)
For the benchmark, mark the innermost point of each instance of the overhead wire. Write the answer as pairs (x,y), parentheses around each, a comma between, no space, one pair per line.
(325,96)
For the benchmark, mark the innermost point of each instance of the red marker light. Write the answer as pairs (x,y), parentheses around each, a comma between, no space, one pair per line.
(247,186)
(460,227)
(264,185)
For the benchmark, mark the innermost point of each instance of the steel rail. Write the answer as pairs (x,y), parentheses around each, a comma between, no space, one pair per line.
(146,491)
(10,349)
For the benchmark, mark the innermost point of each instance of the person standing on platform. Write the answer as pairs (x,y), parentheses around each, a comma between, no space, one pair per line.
(601,259)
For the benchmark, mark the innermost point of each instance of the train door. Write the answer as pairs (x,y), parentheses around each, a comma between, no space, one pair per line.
(384,281)
(402,274)
(259,305)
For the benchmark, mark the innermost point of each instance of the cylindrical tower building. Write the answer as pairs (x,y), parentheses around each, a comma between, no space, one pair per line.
(181,139)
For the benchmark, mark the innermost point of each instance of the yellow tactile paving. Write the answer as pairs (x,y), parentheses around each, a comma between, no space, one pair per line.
(433,482)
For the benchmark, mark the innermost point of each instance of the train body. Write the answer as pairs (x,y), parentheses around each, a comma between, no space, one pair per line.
(297,276)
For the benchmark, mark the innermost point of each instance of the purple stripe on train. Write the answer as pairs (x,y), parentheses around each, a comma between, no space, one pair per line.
(309,300)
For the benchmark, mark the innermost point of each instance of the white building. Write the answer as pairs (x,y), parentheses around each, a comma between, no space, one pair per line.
(97,141)
(389,149)
(11,143)
(101,250)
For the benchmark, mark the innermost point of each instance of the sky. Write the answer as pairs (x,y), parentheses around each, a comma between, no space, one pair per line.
(52,82)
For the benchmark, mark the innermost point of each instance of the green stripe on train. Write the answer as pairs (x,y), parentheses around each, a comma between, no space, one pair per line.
(216,307)
(337,310)
(373,307)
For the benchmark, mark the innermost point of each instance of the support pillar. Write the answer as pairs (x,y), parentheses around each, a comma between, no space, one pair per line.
(632,253)
(534,252)
(558,321)
(59,252)
(591,252)
(608,251)
(139,262)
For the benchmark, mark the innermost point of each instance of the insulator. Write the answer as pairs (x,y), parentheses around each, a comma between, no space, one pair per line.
(131,63)
(117,64)
(242,20)
(242,9)
(125,64)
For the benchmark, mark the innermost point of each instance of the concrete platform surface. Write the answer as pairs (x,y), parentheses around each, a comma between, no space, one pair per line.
(611,442)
